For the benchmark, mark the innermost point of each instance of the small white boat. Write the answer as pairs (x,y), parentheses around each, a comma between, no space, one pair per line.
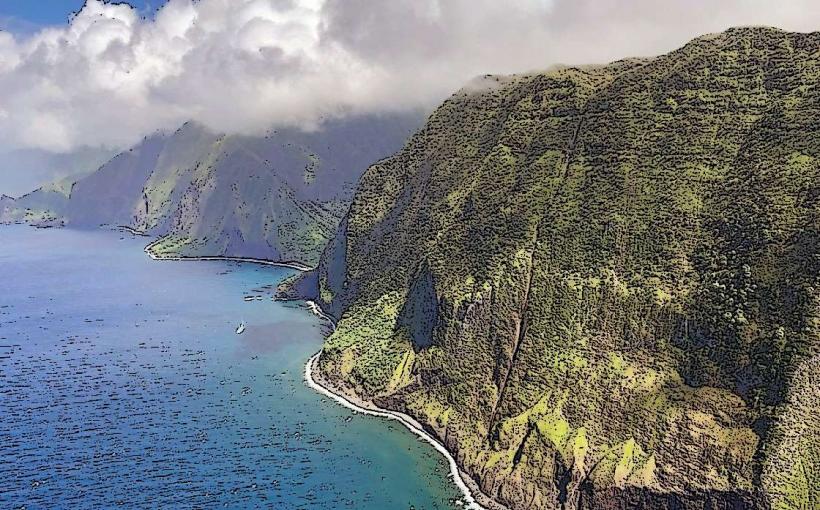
(240,329)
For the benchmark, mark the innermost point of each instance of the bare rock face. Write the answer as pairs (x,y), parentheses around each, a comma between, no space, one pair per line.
(599,286)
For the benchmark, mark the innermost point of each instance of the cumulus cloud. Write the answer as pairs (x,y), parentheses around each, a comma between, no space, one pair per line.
(109,76)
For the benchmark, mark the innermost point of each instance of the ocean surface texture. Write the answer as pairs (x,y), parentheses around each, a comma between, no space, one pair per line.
(123,383)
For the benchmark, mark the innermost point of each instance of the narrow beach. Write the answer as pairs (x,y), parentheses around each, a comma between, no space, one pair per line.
(474,499)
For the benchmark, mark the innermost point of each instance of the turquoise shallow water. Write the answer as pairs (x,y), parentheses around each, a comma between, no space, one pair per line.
(124,385)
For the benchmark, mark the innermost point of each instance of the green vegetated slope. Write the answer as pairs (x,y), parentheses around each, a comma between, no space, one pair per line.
(278,197)
(44,206)
(599,286)
(36,207)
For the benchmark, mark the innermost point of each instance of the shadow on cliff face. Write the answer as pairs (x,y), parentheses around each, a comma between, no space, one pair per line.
(420,311)
(632,498)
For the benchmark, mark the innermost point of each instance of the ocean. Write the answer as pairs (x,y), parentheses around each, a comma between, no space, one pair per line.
(123,384)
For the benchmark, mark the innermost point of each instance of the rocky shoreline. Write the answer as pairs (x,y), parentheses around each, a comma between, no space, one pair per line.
(474,497)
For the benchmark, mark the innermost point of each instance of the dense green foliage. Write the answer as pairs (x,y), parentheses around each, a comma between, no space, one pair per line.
(624,265)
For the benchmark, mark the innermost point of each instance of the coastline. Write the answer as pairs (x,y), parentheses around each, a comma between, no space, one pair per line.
(317,310)
(474,498)
(179,258)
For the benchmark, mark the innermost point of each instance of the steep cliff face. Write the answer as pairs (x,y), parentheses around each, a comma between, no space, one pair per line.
(599,287)
(277,197)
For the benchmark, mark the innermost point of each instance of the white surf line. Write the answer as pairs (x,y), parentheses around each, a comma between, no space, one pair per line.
(130,230)
(317,310)
(412,425)
(291,265)
(405,420)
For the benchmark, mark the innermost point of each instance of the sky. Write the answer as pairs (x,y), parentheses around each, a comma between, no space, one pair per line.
(56,12)
(27,16)
(112,73)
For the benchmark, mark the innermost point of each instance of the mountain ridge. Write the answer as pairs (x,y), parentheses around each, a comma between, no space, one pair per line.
(278,196)
(597,286)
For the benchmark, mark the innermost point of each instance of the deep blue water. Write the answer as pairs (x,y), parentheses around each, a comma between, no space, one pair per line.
(123,384)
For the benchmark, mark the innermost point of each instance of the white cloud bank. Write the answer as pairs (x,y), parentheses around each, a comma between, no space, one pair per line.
(109,77)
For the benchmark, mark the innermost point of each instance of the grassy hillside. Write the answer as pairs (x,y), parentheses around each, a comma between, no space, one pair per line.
(43,206)
(599,286)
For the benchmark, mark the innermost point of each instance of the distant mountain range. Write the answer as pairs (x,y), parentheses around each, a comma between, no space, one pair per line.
(26,169)
(277,197)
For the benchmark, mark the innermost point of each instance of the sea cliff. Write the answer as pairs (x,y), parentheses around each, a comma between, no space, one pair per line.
(598,286)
